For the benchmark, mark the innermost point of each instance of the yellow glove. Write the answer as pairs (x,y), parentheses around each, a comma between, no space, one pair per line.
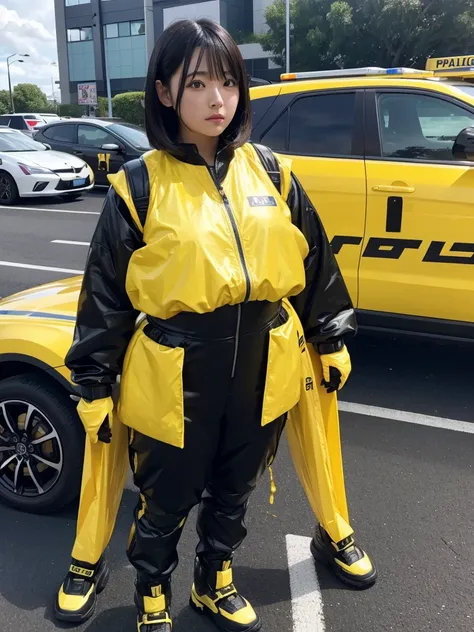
(95,418)
(336,369)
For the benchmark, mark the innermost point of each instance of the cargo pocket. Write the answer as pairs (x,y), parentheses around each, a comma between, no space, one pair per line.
(282,384)
(151,392)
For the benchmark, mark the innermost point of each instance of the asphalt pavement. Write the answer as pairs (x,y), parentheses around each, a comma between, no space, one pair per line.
(410,486)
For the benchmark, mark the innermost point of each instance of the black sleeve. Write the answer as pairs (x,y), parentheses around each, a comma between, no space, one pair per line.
(324,306)
(105,317)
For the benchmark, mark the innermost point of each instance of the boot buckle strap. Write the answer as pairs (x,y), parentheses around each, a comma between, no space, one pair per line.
(155,617)
(223,593)
(82,572)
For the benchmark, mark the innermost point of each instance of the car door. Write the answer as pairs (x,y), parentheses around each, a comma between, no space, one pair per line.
(60,137)
(321,132)
(90,147)
(418,253)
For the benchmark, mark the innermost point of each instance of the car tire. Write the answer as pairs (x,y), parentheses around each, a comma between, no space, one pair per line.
(9,188)
(54,412)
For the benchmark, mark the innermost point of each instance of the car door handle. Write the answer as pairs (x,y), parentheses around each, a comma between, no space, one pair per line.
(393,188)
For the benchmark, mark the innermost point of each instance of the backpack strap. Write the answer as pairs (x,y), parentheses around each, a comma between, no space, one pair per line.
(269,161)
(139,183)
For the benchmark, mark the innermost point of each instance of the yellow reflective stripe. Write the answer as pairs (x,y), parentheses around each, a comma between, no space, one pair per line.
(84,572)
(224,578)
(141,511)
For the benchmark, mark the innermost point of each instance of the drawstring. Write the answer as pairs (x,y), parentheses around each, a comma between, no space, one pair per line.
(273,487)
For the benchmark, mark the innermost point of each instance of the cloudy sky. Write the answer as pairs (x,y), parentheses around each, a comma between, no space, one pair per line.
(27,26)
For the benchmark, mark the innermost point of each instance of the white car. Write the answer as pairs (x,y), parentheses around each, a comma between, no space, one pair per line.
(31,169)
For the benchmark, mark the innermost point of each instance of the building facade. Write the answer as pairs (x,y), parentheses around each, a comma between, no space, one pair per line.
(94,36)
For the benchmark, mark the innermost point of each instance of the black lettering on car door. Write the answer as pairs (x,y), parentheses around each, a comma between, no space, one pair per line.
(338,241)
(386,248)
(433,254)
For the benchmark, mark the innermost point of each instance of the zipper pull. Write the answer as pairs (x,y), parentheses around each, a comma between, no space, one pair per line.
(273,487)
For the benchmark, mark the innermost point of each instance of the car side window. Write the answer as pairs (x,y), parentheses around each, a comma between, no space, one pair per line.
(92,136)
(4,120)
(60,133)
(323,124)
(17,122)
(277,136)
(420,127)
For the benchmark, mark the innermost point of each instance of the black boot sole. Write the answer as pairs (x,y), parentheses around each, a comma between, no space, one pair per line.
(204,611)
(361,583)
(81,617)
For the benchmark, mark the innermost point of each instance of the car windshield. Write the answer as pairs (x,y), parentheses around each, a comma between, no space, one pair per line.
(132,134)
(465,87)
(16,141)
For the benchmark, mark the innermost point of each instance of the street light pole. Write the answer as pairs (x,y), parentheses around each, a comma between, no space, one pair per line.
(9,63)
(287,35)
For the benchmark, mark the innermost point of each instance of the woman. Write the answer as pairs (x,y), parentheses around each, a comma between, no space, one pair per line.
(210,374)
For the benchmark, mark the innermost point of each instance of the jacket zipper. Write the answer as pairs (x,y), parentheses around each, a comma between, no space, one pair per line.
(242,261)
(236,234)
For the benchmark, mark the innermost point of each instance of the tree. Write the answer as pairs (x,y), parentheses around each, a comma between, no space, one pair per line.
(29,98)
(5,105)
(342,33)
(128,106)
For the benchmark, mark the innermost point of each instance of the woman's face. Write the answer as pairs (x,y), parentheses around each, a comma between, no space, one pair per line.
(208,105)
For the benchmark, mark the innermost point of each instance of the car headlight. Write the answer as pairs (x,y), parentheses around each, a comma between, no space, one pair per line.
(29,171)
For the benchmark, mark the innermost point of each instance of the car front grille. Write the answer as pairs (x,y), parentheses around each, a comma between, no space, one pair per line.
(67,185)
(69,170)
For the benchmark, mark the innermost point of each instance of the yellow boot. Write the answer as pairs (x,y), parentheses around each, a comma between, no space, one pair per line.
(214,595)
(349,562)
(76,599)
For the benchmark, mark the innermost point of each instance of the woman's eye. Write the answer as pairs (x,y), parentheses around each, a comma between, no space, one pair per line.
(230,83)
(196,84)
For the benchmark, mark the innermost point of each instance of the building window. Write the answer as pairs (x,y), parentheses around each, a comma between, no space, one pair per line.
(73,3)
(137,28)
(111,30)
(79,35)
(124,29)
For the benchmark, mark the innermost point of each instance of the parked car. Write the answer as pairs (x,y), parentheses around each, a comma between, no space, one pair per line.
(25,123)
(41,436)
(104,145)
(384,155)
(30,169)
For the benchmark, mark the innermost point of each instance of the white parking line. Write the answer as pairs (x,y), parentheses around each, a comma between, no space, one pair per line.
(410,418)
(306,599)
(30,266)
(70,243)
(47,210)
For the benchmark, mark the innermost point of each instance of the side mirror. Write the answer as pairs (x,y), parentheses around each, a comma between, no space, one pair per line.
(463,148)
(113,147)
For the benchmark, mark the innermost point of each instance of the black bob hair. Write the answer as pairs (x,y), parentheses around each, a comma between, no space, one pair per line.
(176,46)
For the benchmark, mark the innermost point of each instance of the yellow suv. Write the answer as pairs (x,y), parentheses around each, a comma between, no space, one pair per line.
(386,156)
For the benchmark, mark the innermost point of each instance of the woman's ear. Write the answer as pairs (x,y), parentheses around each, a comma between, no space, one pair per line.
(163,94)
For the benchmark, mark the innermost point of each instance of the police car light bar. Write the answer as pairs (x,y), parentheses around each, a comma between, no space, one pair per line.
(354,72)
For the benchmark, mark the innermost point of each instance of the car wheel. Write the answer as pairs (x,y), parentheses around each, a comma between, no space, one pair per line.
(8,189)
(41,445)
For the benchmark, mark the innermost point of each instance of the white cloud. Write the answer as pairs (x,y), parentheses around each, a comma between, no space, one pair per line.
(25,28)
